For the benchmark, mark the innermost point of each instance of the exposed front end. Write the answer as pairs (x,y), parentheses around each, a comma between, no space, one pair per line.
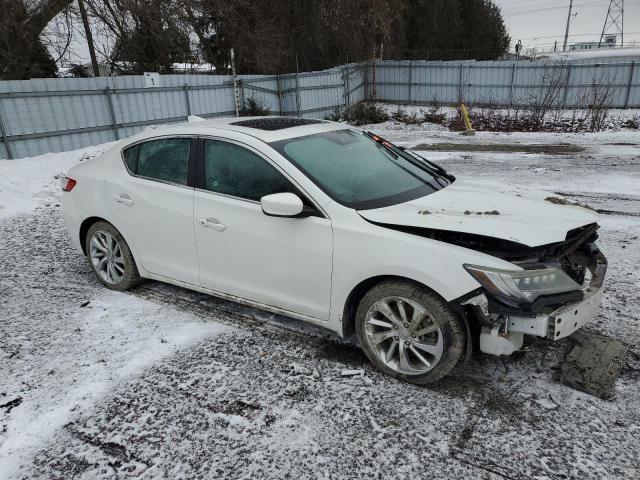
(557,291)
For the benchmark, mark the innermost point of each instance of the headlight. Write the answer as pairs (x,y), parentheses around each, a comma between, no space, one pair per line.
(522,285)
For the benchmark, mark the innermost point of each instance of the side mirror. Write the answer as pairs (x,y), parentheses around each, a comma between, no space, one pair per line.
(282,205)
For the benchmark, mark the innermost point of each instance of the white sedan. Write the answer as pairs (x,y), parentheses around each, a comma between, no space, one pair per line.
(340,228)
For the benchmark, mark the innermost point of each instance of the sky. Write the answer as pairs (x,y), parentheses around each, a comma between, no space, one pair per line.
(538,23)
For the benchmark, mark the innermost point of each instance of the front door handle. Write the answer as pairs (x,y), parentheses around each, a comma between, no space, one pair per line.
(212,223)
(124,199)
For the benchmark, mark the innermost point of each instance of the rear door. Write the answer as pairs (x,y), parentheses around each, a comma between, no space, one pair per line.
(281,262)
(153,201)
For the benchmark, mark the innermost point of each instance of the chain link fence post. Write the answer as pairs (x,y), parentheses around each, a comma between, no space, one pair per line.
(114,123)
(566,87)
(345,82)
(3,132)
(460,91)
(298,92)
(628,95)
(187,101)
(513,79)
(410,99)
(278,83)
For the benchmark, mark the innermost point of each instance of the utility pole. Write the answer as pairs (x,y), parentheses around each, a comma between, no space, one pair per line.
(89,35)
(566,33)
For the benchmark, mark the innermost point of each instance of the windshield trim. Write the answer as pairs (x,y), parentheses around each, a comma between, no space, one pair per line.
(381,202)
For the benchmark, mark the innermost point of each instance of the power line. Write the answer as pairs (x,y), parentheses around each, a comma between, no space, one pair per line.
(557,7)
(550,4)
(572,35)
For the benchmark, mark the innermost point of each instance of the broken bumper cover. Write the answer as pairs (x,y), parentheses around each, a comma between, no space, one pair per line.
(503,330)
(566,320)
(570,317)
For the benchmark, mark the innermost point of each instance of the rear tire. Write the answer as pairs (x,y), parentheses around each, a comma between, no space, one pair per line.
(408,332)
(110,257)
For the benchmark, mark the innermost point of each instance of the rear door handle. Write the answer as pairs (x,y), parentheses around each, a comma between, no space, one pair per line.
(212,223)
(124,199)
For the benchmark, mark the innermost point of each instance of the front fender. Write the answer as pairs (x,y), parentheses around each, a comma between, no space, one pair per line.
(369,251)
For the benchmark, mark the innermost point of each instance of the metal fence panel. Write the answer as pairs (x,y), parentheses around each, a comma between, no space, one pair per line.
(49,115)
(504,83)
(321,92)
(264,89)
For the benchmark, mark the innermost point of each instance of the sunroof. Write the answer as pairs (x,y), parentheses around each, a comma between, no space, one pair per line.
(275,123)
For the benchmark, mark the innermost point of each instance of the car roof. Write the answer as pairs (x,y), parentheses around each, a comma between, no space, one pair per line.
(268,129)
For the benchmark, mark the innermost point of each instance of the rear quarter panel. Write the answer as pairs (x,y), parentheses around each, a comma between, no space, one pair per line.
(89,196)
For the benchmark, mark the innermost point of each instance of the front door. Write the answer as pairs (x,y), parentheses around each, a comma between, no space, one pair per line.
(281,262)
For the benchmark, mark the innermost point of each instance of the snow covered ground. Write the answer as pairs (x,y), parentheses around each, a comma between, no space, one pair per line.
(161,382)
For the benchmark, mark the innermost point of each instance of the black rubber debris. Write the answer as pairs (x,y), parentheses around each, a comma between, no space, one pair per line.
(593,364)
(10,405)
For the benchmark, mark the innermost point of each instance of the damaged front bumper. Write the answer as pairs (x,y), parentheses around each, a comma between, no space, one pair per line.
(502,331)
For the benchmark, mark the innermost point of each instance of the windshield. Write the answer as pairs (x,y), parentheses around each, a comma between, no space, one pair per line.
(359,172)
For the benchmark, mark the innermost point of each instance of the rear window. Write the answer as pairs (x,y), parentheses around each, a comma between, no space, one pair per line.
(164,159)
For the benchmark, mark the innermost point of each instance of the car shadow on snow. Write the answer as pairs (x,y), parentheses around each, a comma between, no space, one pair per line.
(540,359)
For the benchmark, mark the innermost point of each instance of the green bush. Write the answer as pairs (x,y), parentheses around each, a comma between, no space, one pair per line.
(432,116)
(408,118)
(336,115)
(364,113)
(254,107)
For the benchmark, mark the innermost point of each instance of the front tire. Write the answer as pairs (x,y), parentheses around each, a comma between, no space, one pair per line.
(110,257)
(408,332)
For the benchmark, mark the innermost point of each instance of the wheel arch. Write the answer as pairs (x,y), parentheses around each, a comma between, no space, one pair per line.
(89,221)
(84,228)
(360,290)
(348,320)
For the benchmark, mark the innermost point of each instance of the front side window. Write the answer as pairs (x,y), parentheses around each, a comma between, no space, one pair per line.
(234,170)
(358,172)
(165,159)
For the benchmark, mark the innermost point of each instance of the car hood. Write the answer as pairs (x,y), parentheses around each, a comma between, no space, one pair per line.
(492,209)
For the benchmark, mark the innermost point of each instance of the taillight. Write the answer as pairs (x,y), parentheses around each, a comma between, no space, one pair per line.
(67,184)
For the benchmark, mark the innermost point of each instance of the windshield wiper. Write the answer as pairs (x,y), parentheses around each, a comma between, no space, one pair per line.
(435,170)
(395,157)
(434,165)
(440,173)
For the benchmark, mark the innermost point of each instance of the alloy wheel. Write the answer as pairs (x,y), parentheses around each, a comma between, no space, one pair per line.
(106,257)
(404,335)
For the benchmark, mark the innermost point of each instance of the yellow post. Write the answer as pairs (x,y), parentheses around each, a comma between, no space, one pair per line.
(467,123)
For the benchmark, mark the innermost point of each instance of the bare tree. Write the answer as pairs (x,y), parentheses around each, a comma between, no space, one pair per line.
(554,82)
(58,34)
(274,37)
(140,35)
(598,100)
(21,25)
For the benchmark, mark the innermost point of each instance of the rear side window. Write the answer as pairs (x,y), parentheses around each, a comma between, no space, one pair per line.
(165,159)
(236,171)
(131,158)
